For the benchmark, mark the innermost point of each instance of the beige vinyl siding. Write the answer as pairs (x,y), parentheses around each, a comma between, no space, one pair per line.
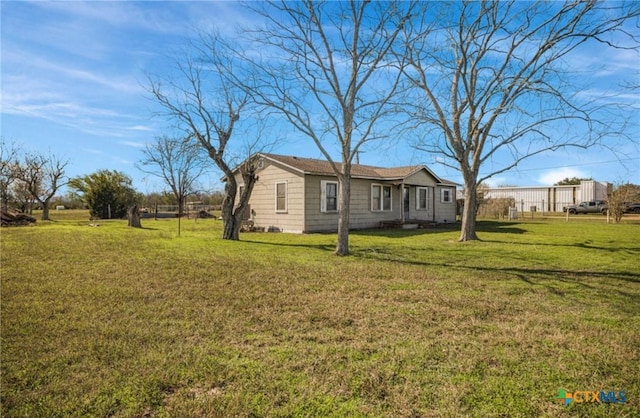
(315,219)
(361,215)
(263,200)
(445,212)
(421,178)
(421,214)
(303,210)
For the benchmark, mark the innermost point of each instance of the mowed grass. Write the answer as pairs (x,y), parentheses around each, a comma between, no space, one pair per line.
(113,321)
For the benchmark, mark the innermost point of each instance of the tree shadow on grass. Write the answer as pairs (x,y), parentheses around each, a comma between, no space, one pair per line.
(500,227)
(548,278)
(483,226)
(585,245)
(323,247)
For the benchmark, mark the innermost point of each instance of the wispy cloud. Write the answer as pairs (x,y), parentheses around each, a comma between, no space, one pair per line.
(555,175)
(91,101)
(132,144)
(73,75)
(146,15)
(141,128)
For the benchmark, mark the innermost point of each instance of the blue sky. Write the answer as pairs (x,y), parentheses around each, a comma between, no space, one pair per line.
(74,78)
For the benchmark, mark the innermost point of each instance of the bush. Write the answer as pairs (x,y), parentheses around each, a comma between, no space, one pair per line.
(495,208)
(107,193)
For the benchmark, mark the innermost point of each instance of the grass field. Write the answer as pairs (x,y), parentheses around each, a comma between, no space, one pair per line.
(113,321)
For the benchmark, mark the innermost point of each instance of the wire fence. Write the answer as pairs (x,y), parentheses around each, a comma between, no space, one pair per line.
(169,211)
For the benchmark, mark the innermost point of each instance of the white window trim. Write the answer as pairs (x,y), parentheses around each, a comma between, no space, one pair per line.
(442,193)
(382,187)
(286,196)
(426,191)
(323,196)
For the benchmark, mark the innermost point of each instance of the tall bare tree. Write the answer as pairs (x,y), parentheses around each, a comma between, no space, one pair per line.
(8,171)
(178,162)
(494,84)
(42,176)
(324,67)
(206,101)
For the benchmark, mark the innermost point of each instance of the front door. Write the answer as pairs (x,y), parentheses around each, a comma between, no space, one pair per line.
(406,204)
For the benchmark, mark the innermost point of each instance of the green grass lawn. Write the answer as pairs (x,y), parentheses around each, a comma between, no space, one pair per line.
(113,321)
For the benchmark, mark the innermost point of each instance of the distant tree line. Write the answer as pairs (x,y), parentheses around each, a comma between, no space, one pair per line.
(32,181)
(573,181)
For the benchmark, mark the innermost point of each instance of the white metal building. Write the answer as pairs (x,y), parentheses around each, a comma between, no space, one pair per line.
(548,198)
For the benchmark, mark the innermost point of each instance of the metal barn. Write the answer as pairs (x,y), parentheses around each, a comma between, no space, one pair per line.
(548,198)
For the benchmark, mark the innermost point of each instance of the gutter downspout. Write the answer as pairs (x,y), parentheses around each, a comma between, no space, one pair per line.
(402,219)
(433,205)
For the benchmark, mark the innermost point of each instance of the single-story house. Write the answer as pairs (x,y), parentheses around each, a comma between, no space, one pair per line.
(300,195)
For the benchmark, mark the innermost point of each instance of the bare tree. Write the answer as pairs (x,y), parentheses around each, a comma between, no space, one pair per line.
(620,197)
(206,101)
(324,67)
(21,197)
(178,162)
(42,176)
(494,84)
(8,171)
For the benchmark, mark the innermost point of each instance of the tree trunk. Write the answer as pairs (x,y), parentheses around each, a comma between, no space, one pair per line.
(133,215)
(468,230)
(232,214)
(231,221)
(342,247)
(231,229)
(180,206)
(45,212)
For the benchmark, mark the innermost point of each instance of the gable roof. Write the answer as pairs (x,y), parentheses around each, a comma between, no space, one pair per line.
(322,167)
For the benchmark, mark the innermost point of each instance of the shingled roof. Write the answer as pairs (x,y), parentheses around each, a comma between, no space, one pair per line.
(323,167)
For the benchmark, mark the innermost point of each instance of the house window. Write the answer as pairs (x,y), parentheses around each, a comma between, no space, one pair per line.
(380,197)
(281,197)
(445,196)
(329,196)
(422,198)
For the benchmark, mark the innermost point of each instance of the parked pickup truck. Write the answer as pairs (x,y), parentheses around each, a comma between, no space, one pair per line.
(632,208)
(592,206)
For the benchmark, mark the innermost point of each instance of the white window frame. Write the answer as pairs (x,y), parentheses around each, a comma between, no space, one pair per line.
(426,198)
(286,196)
(323,196)
(381,204)
(449,193)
